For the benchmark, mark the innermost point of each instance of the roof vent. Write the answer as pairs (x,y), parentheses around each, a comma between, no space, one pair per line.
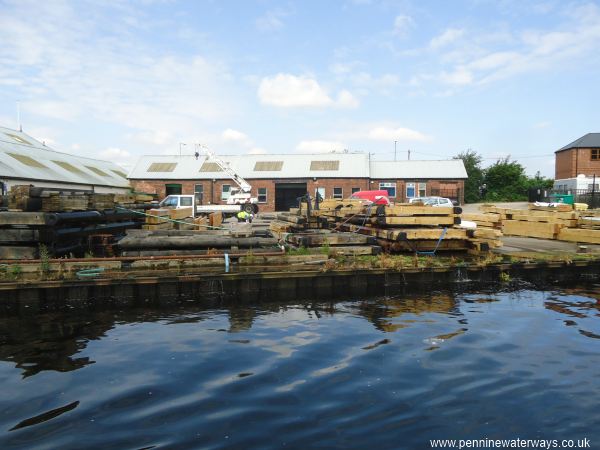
(162,167)
(324,165)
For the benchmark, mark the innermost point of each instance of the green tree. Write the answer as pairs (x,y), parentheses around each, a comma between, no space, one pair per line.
(506,181)
(538,181)
(472,161)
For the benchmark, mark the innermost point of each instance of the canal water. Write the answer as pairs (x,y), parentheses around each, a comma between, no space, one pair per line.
(386,372)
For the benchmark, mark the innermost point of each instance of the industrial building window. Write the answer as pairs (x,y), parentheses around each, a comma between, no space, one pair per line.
(422,189)
(19,139)
(199,194)
(337,192)
(262,195)
(595,155)
(324,165)
(410,190)
(320,191)
(27,160)
(70,167)
(268,166)
(355,190)
(210,167)
(173,189)
(226,192)
(121,174)
(97,171)
(390,188)
(162,167)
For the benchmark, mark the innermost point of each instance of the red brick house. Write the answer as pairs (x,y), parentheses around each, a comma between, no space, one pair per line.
(278,180)
(580,157)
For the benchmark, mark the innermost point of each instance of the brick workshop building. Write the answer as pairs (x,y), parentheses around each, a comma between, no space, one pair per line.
(578,163)
(278,180)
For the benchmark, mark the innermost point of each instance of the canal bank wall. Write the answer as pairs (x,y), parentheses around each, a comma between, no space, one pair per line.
(26,297)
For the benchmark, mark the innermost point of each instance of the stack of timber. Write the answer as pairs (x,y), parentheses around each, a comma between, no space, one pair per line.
(101,201)
(539,221)
(58,201)
(409,227)
(339,243)
(158,219)
(181,242)
(24,235)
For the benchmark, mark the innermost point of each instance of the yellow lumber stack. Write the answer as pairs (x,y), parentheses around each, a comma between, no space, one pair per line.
(579,235)
(157,219)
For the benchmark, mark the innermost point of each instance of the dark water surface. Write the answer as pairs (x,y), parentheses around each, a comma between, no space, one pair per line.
(375,373)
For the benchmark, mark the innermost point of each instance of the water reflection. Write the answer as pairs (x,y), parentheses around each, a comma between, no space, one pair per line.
(54,341)
(378,372)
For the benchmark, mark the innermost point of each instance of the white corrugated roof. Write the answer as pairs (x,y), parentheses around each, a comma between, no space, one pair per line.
(415,170)
(350,165)
(23,157)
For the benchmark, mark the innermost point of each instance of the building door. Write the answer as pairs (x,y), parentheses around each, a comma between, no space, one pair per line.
(287,194)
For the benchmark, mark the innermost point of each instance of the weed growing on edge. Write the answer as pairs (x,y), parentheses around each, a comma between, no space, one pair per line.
(504,277)
(44,259)
(15,271)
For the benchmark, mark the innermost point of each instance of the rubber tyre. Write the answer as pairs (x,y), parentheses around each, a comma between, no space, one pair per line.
(248,207)
(255,208)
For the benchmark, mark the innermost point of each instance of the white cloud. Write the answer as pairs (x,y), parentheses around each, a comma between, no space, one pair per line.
(390,133)
(460,76)
(75,66)
(446,38)
(402,25)
(271,20)
(234,135)
(118,156)
(289,91)
(319,146)
(347,100)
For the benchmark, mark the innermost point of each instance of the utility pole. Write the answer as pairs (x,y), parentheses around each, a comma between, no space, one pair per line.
(395,150)
(409,154)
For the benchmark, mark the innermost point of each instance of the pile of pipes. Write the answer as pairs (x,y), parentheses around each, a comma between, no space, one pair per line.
(31,235)
(183,242)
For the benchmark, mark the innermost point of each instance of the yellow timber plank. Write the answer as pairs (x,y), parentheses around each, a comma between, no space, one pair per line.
(579,235)
(531,229)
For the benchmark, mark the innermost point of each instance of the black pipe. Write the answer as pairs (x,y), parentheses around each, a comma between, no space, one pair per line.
(73,232)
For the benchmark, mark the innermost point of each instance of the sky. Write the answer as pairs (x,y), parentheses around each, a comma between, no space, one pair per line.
(118,79)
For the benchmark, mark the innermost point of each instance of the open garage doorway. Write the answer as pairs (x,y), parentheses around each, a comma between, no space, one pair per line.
(286,195)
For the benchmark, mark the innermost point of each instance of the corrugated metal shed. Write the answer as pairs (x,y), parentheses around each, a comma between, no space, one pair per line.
(418,170)
(590,140)
(327,165)
(24,158)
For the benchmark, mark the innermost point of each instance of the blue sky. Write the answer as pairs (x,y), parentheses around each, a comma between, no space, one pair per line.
(115,80)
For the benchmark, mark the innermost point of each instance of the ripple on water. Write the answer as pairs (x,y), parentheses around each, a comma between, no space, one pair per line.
(387,372)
